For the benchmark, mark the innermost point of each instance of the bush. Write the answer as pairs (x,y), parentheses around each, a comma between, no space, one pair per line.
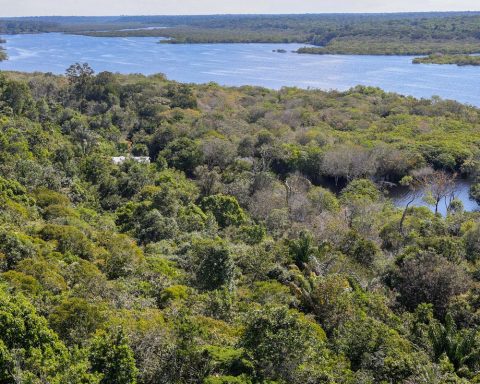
(425,277)
(15,247)
(213,265)
(362,250)
(278,341)
(226,210)
(111,356)
(69,240)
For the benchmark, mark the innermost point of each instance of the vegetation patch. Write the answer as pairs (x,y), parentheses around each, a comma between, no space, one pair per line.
(256,246)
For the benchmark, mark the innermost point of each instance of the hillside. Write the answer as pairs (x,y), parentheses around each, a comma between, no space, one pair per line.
(230,256)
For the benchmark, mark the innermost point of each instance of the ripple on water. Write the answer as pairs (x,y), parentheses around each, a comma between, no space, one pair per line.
(240,64)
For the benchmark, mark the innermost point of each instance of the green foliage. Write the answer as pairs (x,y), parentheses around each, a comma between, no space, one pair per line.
(360,189)
(111,356)
(12,190)
(29,350)
(15,247)
(475,191)
(462,348)
(279,341)
(372,346)
(229,259)
(213,264)
(362,250)
(124,257)
(226,210)
(69,239)
(472,243)
(302,249)
(75,320)
(227,380)
(173,293)
(460,60)
(183,154)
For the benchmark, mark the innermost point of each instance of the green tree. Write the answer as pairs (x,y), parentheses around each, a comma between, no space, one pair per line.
(75,320)
(302,249)
(213,264)
(111,356)
(30,352)
(225,208)
(80,76)
(279,341)
(183,154)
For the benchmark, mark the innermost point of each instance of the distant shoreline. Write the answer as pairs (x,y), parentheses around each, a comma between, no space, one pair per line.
(413,33)
(459,60)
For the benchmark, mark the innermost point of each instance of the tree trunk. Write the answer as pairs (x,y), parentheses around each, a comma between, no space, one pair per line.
(404,215)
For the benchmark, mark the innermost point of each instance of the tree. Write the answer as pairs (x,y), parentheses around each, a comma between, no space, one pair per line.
(208,181)
(472,243)
(111,356)
(415,187)
(75,320)
(225,208)
(362,250)
(372,346)
(213,265)
(18,97)
(154,226)
(79,76)
(348,162)
(425,277)
(278,341)
(302,249)
(439,185)
(475,192)
(462,347)
(69,239)
(181,96)
(30,352)
(183,154)
(124,256)
(362,200)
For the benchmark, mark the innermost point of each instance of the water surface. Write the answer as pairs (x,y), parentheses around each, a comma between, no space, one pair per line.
(401,196)
(241,64)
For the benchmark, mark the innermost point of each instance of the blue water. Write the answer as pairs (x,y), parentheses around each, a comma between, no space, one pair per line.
(401,196)
(241,64)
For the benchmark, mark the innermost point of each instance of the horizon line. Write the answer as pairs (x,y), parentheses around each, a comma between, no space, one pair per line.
(246,14)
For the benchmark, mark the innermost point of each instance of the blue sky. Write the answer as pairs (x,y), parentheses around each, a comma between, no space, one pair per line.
(143,7)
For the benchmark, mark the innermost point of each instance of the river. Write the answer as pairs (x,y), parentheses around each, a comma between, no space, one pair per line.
(241,64)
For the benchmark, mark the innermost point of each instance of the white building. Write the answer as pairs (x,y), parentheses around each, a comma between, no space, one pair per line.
(139,159)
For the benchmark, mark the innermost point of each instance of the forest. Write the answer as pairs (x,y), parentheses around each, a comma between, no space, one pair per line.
(460,60)
(244,237)
(376,34)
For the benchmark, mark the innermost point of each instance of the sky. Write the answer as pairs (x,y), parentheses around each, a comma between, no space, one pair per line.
(176,7)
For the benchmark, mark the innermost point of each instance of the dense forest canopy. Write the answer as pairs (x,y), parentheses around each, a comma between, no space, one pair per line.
(225,259)
(404,33)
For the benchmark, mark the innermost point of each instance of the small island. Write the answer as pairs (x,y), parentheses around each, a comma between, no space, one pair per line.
(460,60)
(3,54)
(359,45)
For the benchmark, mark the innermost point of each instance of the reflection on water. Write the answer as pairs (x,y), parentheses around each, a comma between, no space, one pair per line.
(401,196)
(241,64)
